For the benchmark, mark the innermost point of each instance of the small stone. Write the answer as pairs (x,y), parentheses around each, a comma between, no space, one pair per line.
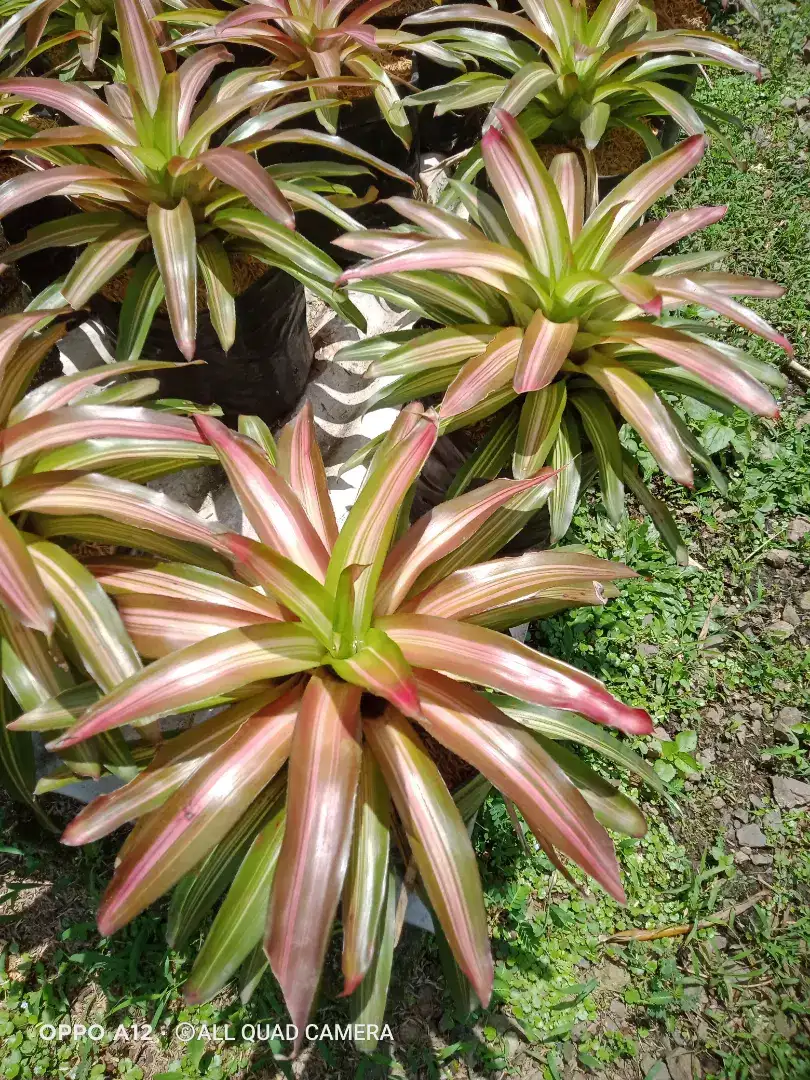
(661,734)
(791,615)
(780,628)
(756,726)
(752,836)
(797,529)
(713,715)
(682,1066)
(569,1053)
(787,103)
(773,819)
(613,977)
(718,802)
(804,601)
(754,800)
(740,858)
(787,718)
(790,793)
(740,815)
(761,858)
(409,1032)
(618,1008)
(801,104)
(803,421)
(649,618)
(718,942)
(741,734)
(777,557)
(707,757)
(648,650)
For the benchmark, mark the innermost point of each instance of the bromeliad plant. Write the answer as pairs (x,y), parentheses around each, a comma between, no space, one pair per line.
(570,74)
(378,630)
(311,38)
(156,194)
(564,310)
(59,632)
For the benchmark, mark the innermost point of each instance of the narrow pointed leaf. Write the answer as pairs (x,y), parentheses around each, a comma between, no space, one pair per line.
(301,464)
(197,816)
(600,427)
(21,589)
(516,764)
(540,420)
(439,843)
(369,1001)
(565,454)
(543,351)
(484,374)
(215,666)
(175,245)
(239,924)
(269,503)
(322,784)
(497,660)
(367,876)
(657,509)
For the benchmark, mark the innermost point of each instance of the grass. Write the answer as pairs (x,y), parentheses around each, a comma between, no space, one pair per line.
(694,646)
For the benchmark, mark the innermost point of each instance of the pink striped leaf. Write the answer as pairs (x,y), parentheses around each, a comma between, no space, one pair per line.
(176,760)
(434,348)
(98,263)
(512,759)
(543,351)
(540,418)
(439,843)
(484,374)
(22,190)
(243,172)
(501,581)
(21,588)
(566,172)
(696,356)
(179,581)
(218,665)
(496,660)
(13,328)
(364,892)
(479,13)
(368,530)
(61,427)
(641,407)
(379,667)
(642,291)
(194,73)
(140,55)
(269,503)
(736,285)
(301,465)
(160,625)
(440,531)
(482,260)
(67,493)
(322,784)
(89,616)
(77,102)
(193,820)
(653,237)
(288,583)
(625,204)
(174,242)
(690,291)
(701,44)
(528,193)
(65,388)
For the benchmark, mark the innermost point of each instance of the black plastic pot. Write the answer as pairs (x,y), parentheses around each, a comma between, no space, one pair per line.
(41,269)
(453,132)
(361,124)
(266,369)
